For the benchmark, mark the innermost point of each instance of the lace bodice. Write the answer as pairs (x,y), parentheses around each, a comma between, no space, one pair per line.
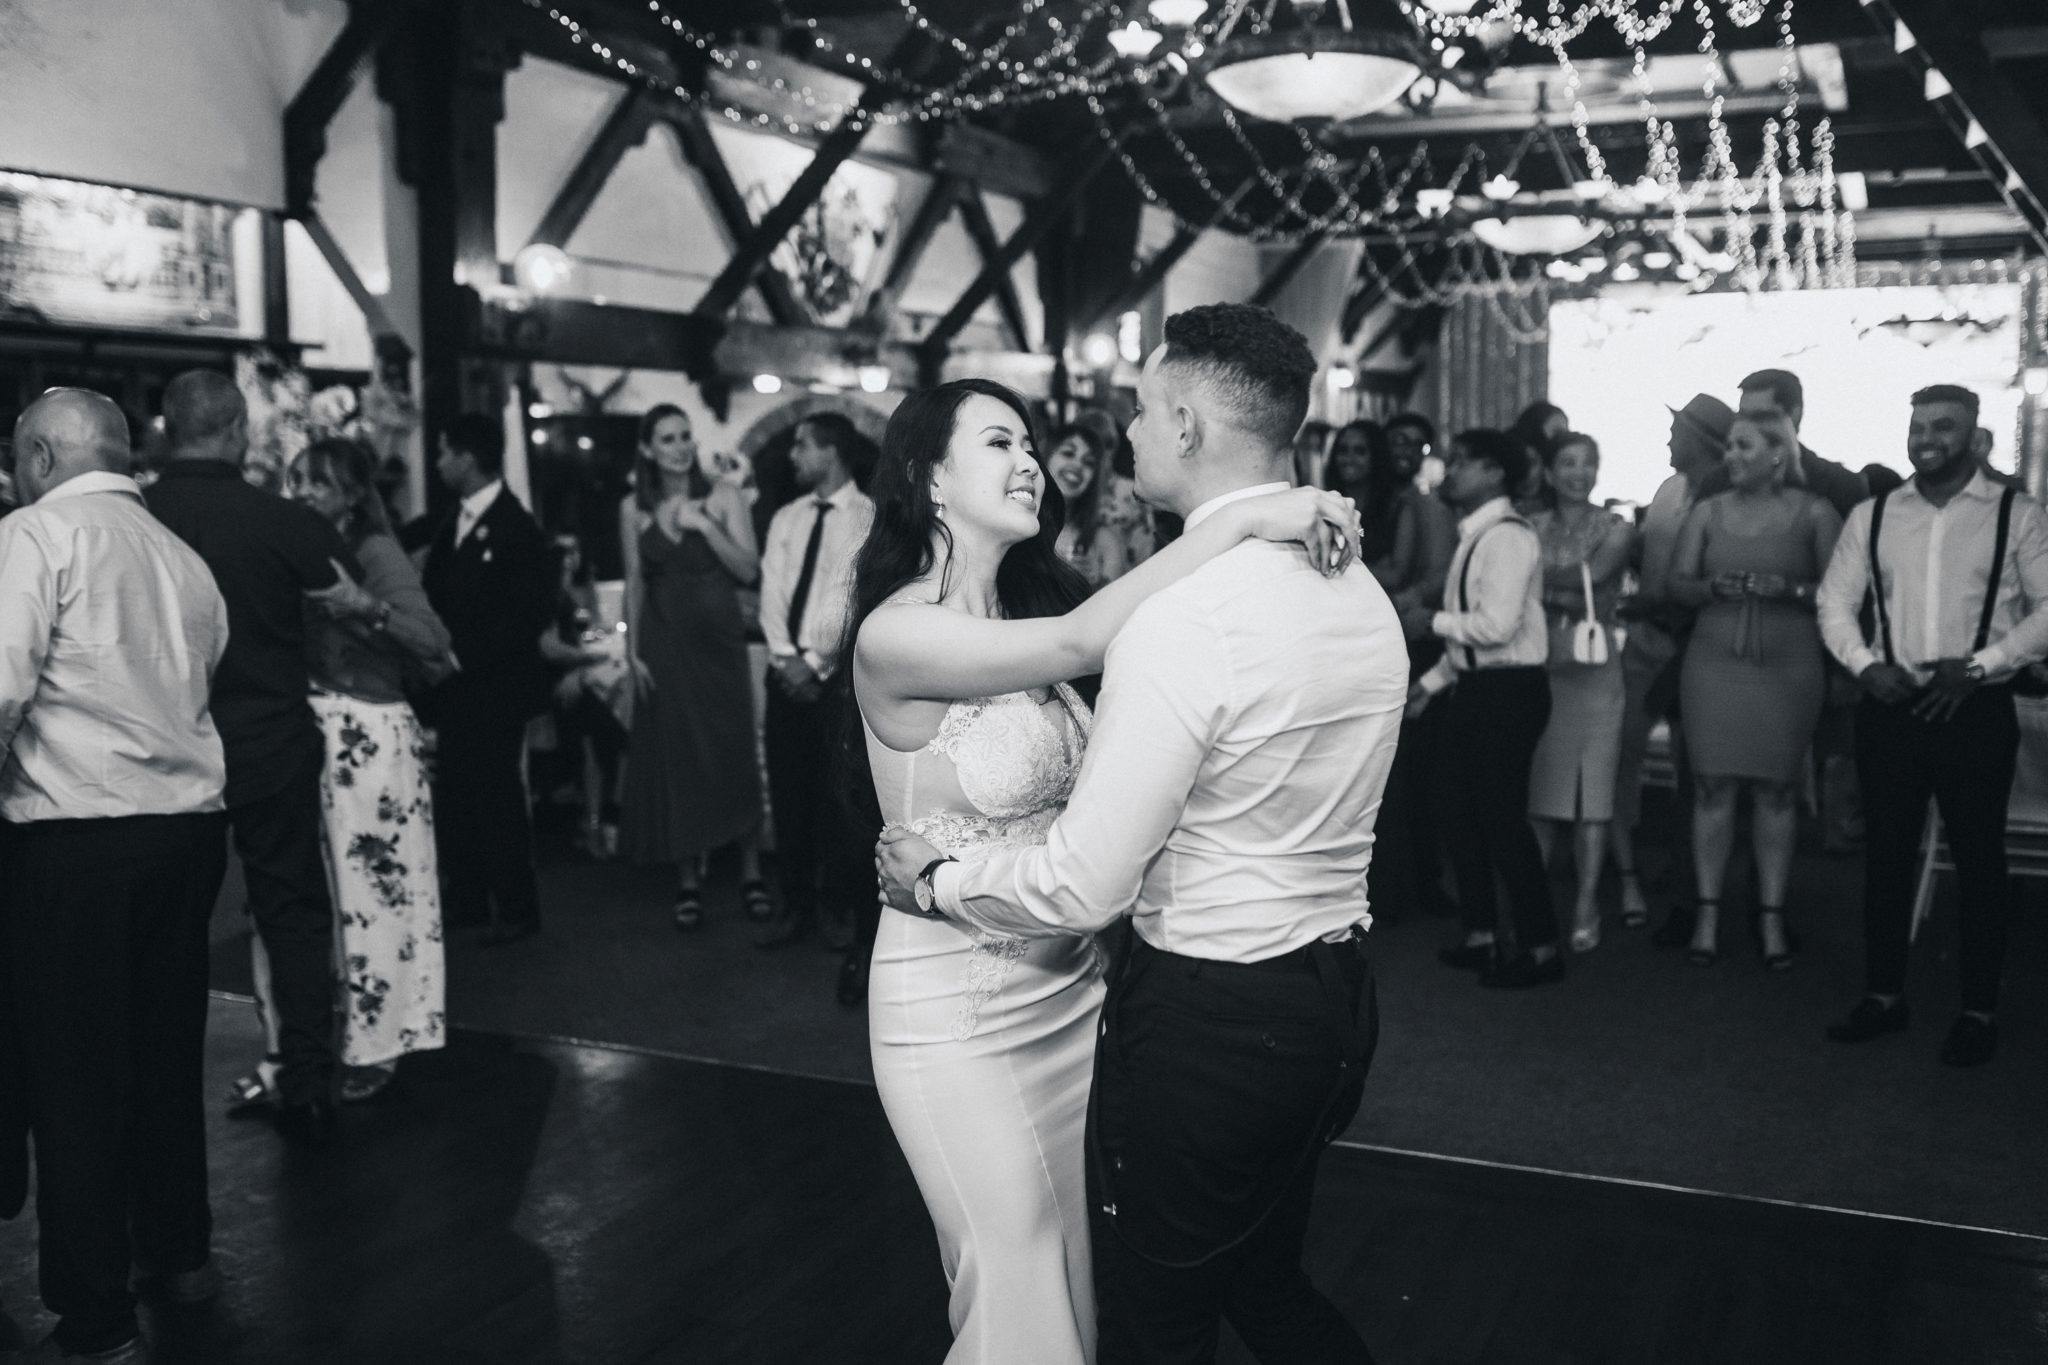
(996,775)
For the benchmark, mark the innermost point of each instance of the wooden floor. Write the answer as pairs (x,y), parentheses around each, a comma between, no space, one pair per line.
(516,1201)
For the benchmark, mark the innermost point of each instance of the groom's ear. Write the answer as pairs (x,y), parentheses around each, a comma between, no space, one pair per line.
(1189,424)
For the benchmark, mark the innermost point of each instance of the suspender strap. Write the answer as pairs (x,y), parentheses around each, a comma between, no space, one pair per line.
(1465,573)
(1884,619)
(1997,571)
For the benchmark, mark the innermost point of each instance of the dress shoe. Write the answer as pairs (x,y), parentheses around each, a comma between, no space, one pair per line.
(134,1351)
(187,1287)
(853,977)
(1468,957)
(306,1123)
(782,931)
(1871,1018)
(1523,971)
(502,935)
(1971,1042)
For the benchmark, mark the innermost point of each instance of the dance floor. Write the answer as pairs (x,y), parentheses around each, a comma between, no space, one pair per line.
(513,1201)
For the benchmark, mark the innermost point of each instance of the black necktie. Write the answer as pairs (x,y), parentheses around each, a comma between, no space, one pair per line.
(802,595)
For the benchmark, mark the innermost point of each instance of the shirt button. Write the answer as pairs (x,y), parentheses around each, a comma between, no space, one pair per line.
(1116,1163)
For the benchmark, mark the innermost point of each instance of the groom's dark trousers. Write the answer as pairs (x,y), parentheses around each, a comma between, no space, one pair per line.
(1217,1086)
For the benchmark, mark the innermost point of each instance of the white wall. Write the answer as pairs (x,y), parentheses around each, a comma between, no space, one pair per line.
(183,96)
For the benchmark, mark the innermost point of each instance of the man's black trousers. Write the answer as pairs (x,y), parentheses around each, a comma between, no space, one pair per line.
(106,941)
(1217,1086)
(1966,765)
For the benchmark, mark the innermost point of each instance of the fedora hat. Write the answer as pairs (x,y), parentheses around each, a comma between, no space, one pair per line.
(1704,415)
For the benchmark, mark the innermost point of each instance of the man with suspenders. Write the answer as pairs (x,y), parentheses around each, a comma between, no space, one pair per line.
(1955,569)
(1495,643)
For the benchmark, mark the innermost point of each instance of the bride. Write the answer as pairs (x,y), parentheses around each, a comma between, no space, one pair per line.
(967,629)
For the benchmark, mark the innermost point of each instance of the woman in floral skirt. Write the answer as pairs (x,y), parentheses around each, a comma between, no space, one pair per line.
(377,816)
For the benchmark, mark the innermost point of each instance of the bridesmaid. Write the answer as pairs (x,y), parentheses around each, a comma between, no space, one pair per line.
(693,782)
(377,813)
(1752,685)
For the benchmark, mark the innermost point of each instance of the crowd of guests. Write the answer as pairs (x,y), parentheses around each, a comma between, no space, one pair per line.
(1750,608)
(208,660)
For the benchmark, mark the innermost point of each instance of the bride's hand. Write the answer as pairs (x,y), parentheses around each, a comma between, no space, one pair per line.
(1327,523)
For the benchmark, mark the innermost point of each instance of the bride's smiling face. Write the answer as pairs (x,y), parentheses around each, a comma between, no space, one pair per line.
(990,478)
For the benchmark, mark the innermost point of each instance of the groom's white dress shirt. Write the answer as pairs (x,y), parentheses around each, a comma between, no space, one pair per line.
(1226,802)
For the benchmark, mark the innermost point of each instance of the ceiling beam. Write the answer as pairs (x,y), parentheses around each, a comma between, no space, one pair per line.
(306,118)
(624,129)
(974,215)
(938,204)
(1985,97)
(1284,273)
(730,205)
(1037,223)
(751,252)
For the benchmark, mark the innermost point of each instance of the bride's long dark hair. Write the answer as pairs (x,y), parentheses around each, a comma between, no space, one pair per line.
(909,538)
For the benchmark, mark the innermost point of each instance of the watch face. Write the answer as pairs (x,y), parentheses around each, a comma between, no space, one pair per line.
(922,893)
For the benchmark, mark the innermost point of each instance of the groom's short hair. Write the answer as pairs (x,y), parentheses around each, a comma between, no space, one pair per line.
(1256,367)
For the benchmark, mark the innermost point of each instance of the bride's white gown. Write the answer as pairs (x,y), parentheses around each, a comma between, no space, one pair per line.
(984,1047)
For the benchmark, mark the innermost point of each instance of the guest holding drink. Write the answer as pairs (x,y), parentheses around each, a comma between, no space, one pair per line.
(693,783)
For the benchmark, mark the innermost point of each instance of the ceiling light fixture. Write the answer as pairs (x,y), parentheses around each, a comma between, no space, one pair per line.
(1133,41)
(1336,60)
(1177,13)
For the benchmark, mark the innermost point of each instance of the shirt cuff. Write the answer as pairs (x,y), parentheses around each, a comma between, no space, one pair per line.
(1440,624)
(818,664)
(1991,659)
(1859,659)
(946,888)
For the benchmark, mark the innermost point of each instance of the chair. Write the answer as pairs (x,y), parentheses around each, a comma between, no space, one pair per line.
(2026,820)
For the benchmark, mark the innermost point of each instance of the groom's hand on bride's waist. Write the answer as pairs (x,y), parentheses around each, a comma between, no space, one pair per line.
(900,858)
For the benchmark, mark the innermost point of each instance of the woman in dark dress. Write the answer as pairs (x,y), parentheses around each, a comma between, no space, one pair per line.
(1752,684)
(693,783)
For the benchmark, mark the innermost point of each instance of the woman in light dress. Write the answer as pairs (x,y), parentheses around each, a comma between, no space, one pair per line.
(376,811)
(967,631)
(1571,784)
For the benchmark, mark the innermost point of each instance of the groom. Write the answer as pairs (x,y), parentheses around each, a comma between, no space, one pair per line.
(1247,721)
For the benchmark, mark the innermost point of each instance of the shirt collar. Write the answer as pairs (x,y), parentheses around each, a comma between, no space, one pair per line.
(1216,504)
(93,481)
(479,502)
(1485,515)
(1979,487)
(181,468)
(842,496)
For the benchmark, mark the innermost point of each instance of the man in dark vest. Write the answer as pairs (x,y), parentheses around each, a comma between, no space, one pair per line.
(487,578)
(1956,570)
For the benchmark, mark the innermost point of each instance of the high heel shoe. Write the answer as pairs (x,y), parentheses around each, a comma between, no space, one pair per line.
(1705,956)
(1586,932)
(1777,962)
(1635,911)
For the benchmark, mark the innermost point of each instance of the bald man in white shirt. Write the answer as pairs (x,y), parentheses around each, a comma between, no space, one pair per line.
(112,850)
(1247,722)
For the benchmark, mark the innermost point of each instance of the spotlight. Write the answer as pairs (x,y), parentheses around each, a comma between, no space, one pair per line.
(874,378)
(1177,13)
(585,443)
(1099,350)
(1657,260)
(542,269)
(539,412)
(767,383)
(1626,272)
(1433,203)
(1501,188)
(1342,376)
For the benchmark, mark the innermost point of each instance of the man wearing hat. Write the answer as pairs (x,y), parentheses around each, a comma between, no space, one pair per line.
(1656,636)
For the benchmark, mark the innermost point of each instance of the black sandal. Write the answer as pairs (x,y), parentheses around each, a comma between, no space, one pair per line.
(754,896)
(1705,957)
(689,910)
(1777,962)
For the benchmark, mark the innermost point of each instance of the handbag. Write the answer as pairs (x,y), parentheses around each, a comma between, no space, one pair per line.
(1589,637)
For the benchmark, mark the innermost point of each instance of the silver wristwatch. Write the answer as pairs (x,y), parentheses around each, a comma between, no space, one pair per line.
(921,890)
